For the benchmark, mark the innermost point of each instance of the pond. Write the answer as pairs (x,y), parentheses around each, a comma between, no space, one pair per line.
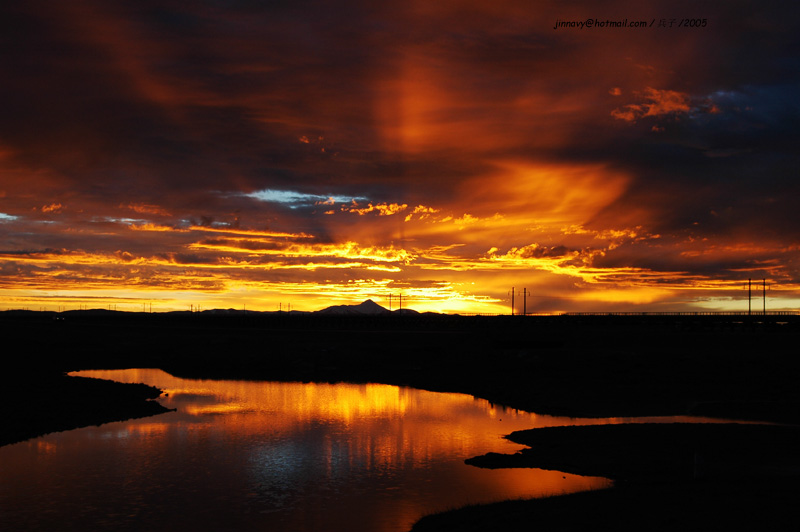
(246,455)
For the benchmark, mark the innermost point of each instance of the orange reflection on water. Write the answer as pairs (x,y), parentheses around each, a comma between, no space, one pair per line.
(45,447)
(147,429)
(392,421)
(318,453)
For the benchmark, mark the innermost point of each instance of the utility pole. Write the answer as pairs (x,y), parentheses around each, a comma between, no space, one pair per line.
(764,292)
(525,295)
(512,300)
(749,296)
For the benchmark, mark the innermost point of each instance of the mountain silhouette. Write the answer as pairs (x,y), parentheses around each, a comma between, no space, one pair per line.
(367,308)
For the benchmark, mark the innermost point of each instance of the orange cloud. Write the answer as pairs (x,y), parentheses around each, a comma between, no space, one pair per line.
(383,209)
(155,228)
(657,103)
(530,192)
(346,250)
(422,211)
(53,207)
(143,208)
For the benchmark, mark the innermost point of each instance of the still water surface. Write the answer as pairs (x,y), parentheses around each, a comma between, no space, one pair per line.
(273,456)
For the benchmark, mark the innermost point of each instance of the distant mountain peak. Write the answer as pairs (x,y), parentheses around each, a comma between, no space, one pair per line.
(369,304)
(366,308)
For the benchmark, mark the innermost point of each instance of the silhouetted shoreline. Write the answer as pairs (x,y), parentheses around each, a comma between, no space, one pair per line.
(723,366)
(667,477)
(35,404)
(762,504)
(648,452)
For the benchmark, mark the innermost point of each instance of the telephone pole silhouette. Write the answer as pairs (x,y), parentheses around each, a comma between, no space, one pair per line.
(749,296)
(399,298)
(525,295)
(763,296)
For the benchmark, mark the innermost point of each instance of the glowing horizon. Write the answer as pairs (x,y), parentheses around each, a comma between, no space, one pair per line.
(259,157)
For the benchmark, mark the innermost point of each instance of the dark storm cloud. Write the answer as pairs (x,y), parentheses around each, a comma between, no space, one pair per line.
(730,172)
(153,98)
(221,93)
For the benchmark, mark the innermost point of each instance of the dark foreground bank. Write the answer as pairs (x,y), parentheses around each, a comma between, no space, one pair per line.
(648,452)
(667,477)
(38,403)
(701,506)
(732,367)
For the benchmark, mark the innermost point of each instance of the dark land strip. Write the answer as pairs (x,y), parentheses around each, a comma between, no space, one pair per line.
(667,477)
(733,367)
(759,504)
(37,403)
(657,452)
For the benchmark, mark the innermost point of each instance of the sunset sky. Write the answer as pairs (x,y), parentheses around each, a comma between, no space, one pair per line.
(253,154)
